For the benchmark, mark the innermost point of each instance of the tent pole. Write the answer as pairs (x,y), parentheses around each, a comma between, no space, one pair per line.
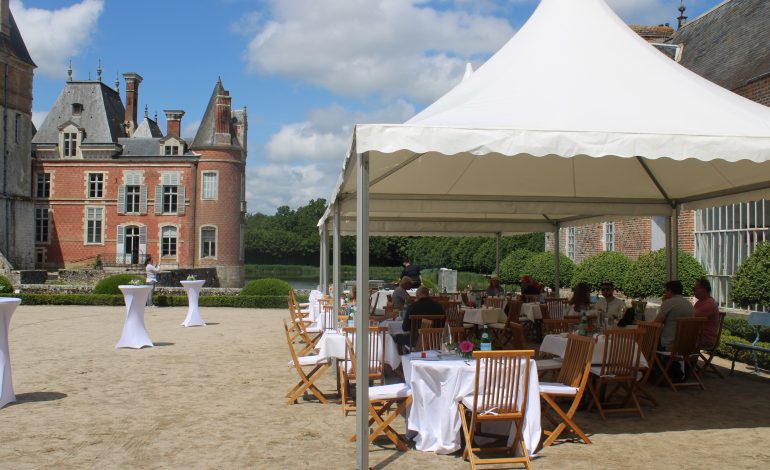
(672,244)
(324,258)
(557,261)
(336,249)
(362,313)
(497,253)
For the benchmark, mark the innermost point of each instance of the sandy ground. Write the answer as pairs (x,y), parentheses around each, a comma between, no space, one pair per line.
(213,398)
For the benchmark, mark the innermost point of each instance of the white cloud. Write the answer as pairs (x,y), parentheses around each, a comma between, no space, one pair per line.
(363,47)
(270,186)
(38,117)
(54,36)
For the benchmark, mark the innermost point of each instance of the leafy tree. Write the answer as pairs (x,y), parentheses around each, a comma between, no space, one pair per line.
(605,266)
(647,275)
(512,266)
(751,284)
(542,268)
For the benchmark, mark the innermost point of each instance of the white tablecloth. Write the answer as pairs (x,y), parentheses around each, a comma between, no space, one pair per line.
(437,388)
(332,345)
(557,345)
(314,309)
(484,316)
(7,307)
(193,289)
(134,332)
(531,310)
(395,327)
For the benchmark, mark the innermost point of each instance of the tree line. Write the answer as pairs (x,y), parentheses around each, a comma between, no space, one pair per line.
(290,236)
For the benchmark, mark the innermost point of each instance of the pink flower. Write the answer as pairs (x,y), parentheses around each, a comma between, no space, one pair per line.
(467,346)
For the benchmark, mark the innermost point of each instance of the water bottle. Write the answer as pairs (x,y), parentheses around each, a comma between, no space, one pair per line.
(583,326)
(486,343)
(352,316)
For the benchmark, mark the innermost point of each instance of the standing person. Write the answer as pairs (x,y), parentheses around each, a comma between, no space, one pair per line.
(609,306)
(151,278)
(413,272)
(707,308)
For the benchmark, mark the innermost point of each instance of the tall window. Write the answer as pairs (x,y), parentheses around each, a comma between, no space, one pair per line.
(210,185)
(169,195)
(133,195)
(609,236)
(17,128)
(170,199)
(94,224)
(41,224)
(571,243)
(70,144)
(43,185)
(96,185)
(208,242)
(168,241)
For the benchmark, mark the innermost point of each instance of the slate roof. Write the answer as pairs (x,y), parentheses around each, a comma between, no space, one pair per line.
(144,147)
(730,44)
(15,43)
(147,128)
(205,135)
(102,116)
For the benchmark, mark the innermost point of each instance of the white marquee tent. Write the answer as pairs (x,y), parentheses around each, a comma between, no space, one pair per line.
(575,119)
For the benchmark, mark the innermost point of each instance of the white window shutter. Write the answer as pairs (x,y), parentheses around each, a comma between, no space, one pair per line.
(120,249)
(121,199)
(142,240)
(143,200)
(158,199)
(216,186)
(180,200)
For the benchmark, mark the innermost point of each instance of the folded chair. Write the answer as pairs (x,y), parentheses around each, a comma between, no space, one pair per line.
(499,394)
(711,352)
(648,343)
(306,380)
(571,385)
(684,349)
(619,367)
(381,401)
(376,365)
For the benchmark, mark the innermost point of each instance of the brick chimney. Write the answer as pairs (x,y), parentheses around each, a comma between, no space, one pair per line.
(173,122)
(223,118)
(132,100)
(5,12)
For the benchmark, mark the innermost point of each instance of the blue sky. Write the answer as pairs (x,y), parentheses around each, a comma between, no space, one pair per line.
(307,70)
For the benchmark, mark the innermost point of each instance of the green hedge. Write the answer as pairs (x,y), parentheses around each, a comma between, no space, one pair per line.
(5,285)
(512,266)
(541,267)
(751,284)
(743,355)
(647,275)
(267,286)
(605,266)
(109,285)
(235,301)
(739,326)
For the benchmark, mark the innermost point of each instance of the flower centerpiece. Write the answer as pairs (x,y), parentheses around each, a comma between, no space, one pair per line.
(468,346)
(136,282)
(191,277)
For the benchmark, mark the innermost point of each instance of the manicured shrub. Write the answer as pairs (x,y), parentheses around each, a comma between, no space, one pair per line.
(751,284)
(109,285)
(70,299)
(267,286)
(512,266)
(763,359)
(647,275)
(541,268)
(5,285)
(605,266)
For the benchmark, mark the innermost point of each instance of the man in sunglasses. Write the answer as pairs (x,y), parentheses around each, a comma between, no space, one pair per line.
(610,307)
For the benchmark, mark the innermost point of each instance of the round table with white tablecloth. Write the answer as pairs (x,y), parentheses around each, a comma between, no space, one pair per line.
(484,316)
(557,345)
(134,331)
(193,289)
(332,345)
(7,307)
(438,386)
(531,311)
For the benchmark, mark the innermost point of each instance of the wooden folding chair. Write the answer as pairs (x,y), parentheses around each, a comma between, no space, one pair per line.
(499,394)
(381,401)
(304,332)
(494,302)
(454,312)
(557,307)
(306,380)
(502,333)
(430,339)
(555,327)
(685,349)
(376,365)
(648,343)
(711,352)
(620,365)
(416,322)
(570,384)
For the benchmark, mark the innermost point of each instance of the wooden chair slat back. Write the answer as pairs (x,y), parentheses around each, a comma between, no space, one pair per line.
(687,336)
(648,341)
(557,307)
(544,312)
(514,311)
(517,336)
(429,339)
(454,312)
(502,383)
(621,353)
(579,352)
(494,302)
(376,349)
(294,357)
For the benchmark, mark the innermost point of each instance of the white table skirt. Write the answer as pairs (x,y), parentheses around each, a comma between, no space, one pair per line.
(193,289)
(332,345)
(557,345)
(314,309)
(7,307)
(437,388)
(134,332)
(531,310)
(484,316)
(395,327)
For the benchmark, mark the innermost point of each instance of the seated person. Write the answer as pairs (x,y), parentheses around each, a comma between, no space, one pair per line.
(674,306)
(628,318)
(707,308)
(400,295)
(424,305)
(610,307)
(494,289)
(580,301)
(529,286)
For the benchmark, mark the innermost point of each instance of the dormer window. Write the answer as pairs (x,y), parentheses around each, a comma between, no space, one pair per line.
(70,149)
(170,150)
(77,109)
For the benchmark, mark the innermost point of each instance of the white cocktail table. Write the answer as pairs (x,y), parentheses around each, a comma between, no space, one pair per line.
(7,307)
(134,332)
(193,289)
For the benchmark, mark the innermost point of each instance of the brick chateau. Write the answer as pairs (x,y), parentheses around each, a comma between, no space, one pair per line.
(112,188)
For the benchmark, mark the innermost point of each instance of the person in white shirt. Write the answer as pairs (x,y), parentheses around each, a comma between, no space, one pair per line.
(151,278)
(610,307)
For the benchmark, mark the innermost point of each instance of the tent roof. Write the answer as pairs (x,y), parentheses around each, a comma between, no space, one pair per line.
(575,117)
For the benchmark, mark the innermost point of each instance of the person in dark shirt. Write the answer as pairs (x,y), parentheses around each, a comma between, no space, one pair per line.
(424,305)
(413,272)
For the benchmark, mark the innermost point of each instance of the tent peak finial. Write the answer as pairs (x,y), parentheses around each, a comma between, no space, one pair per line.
(681,20)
